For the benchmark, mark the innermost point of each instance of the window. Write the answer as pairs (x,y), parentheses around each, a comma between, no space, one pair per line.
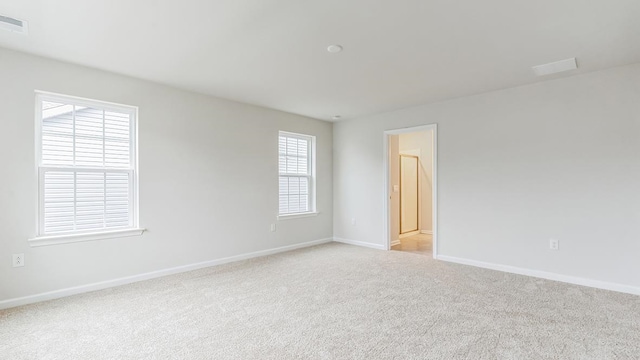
(297,173)
(86,156)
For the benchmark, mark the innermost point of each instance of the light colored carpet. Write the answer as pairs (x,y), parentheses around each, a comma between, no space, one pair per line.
(332,301)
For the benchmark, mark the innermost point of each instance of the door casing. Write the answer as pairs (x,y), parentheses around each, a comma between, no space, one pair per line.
(386,191)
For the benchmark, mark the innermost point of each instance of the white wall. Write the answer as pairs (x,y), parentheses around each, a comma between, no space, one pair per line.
(422,141)
(559,159)
(394,179)
(208,179)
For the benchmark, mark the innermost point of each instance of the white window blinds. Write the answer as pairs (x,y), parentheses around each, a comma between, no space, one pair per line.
(296,183)
(86,166)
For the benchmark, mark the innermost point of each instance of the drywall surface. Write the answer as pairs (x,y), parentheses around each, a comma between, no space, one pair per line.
(208,176)
(516,167)
(422,141)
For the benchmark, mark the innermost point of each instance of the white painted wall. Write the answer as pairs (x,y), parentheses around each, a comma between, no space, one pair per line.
(208,179)
(394,180)
(559,159)
(422,141)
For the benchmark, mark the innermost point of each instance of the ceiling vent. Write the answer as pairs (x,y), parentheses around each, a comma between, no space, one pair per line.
(13,25)
(555,67)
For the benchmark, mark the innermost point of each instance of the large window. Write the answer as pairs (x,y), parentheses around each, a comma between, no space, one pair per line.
(86,154)
(297,173)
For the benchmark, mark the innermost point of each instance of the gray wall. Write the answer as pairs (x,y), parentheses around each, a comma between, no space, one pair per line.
(208,179)
(559,158)
(394,179)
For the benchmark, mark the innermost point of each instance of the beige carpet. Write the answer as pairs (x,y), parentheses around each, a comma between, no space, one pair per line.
(332,301)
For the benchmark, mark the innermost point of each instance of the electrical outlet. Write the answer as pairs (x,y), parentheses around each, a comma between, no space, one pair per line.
(273,227)
(18,260)
(353,221)
(554,244)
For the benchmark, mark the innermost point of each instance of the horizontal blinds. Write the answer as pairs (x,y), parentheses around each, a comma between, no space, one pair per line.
(294,163)
(294,195)
(79,201)
(86,168)
(293,156)
(83,136)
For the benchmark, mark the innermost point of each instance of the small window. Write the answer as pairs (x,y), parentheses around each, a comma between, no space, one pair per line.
(86,154)
(297,173)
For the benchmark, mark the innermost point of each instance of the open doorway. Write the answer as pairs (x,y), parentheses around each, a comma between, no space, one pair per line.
(410,189)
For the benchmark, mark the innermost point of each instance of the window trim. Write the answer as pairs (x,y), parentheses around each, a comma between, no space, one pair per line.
(298,215)
(313,210)
(41,239)
(89,236)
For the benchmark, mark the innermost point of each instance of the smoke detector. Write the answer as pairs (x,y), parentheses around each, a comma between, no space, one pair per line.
(334,48)
(13,25)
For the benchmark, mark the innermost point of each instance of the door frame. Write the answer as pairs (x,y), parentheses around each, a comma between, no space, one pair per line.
(387,181)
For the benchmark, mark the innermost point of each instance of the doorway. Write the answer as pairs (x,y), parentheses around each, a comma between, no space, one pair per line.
(410,189)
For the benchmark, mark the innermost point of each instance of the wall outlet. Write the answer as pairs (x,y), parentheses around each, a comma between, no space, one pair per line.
(554,244)
(273,227)
(18,260)
(353,221)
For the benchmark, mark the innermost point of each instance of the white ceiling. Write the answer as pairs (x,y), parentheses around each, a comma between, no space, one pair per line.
(273,52)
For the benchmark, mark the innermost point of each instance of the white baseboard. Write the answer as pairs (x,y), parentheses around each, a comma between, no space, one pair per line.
(546,275)
(428,232)
(396,242)
(409,234)
(360,243)
(50,295)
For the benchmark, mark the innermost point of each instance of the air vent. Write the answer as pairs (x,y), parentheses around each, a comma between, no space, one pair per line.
(13,25)
(555,67)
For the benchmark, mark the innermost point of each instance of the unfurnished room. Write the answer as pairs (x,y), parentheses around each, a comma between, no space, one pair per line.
(277,179)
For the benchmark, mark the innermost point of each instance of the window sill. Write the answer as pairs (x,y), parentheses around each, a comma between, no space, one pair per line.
(297,216)
(72,238)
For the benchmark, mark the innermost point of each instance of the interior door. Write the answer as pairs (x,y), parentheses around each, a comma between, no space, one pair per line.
(408,193)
